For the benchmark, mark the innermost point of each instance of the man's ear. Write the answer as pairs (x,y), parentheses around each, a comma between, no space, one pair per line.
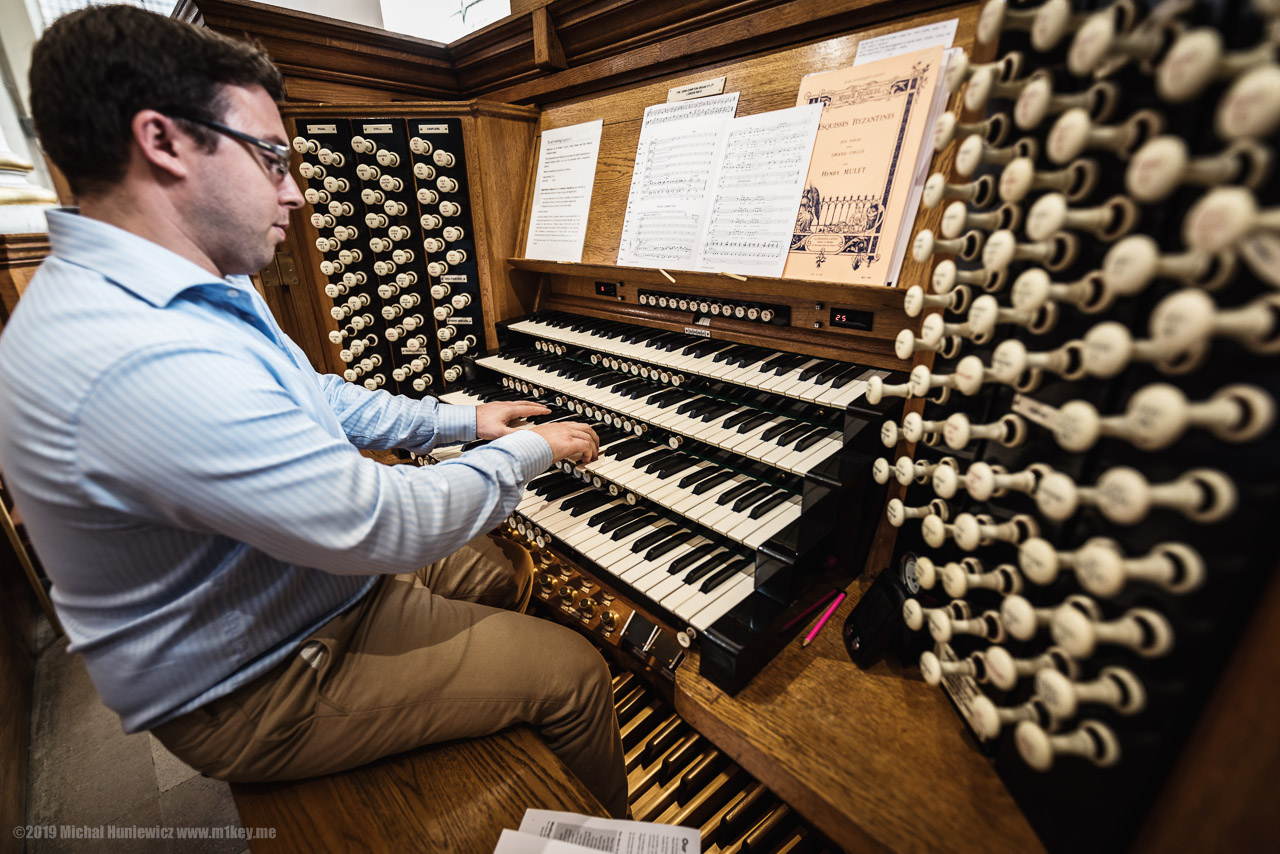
(162,143)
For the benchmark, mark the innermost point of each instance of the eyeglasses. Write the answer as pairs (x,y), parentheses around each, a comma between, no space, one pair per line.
(277,153)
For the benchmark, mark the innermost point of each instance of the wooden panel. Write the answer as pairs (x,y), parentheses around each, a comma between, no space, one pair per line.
(766,83)
(875,758)
(571,288)
(20,256)
(17,674)
(455,797)
(628,46)
(312,46)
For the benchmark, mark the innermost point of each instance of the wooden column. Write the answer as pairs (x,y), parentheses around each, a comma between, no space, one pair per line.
(20,255)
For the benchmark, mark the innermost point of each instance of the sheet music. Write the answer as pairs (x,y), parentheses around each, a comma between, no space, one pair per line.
(766,159)
(677,161)
(562,192)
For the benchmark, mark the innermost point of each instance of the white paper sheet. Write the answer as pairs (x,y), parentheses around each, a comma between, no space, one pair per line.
(677,161)
(514,842)
(906,235)
(562,192)
(757,194)
(610,834)
(941,34)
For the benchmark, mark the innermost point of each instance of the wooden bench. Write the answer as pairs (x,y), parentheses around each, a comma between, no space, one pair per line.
(456,797)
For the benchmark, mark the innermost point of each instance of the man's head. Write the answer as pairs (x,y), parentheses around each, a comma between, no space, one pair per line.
(94,70)
(173,125)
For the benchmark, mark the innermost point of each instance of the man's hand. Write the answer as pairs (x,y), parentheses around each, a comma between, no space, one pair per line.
(496,419)
(570,440)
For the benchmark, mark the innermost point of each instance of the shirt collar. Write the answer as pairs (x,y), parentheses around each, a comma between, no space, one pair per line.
(136,264)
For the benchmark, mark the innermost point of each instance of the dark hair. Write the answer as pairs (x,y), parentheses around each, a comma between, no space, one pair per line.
(95,69)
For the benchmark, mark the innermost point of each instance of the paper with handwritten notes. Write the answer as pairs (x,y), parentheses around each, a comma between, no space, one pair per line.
(677,161)
(762,173)
(856,195)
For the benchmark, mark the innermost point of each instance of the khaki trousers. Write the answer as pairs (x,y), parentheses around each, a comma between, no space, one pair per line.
(420,659)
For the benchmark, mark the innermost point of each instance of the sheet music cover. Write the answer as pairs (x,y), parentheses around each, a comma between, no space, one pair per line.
(874,123)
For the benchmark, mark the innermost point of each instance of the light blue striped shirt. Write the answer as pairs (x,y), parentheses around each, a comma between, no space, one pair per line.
(193,487)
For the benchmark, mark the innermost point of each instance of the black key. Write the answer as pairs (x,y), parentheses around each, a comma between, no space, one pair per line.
(724,575)
(618,521)
(605,515)
(794,434)
(686,560)
(570,504)
(755,421)
(676,539)
(676,466)
(600,499)
(653,539)
(701,474)
(737,492)
(707,567)
(560,491)
(807,442)
(768,504)
(712,482)
(656,453)
(739,417)
(790,364)
(641,446)
(655,460)
(635,525)
(816,369)
(778,429)
(756,495)
(775,362)
(843,379)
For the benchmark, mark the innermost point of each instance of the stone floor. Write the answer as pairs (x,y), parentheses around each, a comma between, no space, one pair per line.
(85,772)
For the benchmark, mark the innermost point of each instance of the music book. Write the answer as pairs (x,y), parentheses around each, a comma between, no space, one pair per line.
(871,137)
(715,193)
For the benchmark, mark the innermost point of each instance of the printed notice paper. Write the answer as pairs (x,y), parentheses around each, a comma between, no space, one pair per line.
(859,184)
(562,192)
(513,842)
(610,834)
(941,34)
(677,160)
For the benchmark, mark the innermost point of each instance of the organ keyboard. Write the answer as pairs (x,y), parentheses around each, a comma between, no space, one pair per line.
(720,462)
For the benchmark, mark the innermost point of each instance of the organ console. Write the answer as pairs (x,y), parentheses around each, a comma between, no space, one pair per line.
(1047,433)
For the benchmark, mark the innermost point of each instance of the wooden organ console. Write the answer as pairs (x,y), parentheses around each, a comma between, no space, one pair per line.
(1074,362)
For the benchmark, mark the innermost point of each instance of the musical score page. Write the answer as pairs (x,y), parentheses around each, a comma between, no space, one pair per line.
(677,161)
(762,174)
(562,192)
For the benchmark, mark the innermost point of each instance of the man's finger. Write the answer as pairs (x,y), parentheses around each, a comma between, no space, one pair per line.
(524,408)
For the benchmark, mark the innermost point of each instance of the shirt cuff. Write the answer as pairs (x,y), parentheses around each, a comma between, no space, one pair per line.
(455,424)
(531,450)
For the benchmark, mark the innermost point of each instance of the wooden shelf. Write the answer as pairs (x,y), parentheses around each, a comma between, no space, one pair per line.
(715,283)
(875,758)
(571,288)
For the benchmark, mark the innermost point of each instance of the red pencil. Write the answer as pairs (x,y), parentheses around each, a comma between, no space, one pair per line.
(822,621)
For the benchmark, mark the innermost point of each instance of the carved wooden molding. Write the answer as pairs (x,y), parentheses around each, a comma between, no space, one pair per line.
(22,250)
(602,43)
